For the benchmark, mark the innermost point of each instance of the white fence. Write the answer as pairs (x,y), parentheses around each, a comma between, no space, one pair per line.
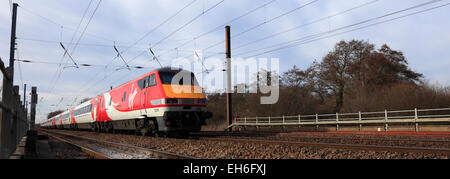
(415,116)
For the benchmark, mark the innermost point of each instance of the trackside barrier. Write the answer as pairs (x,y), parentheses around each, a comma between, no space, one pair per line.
(415,116)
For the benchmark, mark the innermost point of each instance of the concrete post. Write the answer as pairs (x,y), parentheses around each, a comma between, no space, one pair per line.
(386,128)
(416,117)
(317,121)
(337,121)
(360,119)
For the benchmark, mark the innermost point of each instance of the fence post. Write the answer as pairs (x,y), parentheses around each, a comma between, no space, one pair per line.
(257,127)
(317,121)
(415,120)
(386,128)
(245,121)
(360,119)
(337,121)
(299,121)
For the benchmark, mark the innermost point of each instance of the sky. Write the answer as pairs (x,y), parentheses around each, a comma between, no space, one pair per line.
(174,29)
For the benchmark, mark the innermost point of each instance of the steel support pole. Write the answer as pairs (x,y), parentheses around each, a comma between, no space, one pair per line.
(229,102)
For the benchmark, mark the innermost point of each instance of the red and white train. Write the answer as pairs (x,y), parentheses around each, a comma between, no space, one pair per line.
(159,101)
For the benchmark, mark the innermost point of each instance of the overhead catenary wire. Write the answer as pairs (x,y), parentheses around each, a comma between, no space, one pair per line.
(80,65)
(104,45)
(340,28)
(263,23)
(87,25)
(81,21)
(301,26)
(148,33)
(79,39)
(174,32)
(306,24)
(188,23)
(298,43)
(284,14)
(159,26)
(65,26)
(226,23)
(74,48)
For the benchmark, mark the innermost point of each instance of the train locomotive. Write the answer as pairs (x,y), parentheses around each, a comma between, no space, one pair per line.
(166,100)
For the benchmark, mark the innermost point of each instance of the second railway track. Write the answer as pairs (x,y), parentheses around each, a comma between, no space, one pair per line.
(338,146)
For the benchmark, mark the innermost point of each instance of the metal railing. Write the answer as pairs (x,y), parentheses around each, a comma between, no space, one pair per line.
(13,115)
(386,117)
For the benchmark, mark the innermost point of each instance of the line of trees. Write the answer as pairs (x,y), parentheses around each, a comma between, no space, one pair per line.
(354,76)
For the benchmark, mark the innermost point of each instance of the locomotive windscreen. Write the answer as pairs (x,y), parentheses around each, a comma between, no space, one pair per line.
(178,78)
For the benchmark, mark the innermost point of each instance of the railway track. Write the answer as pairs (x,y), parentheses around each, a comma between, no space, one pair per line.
(111,150)
(336,146)
(424,135)
(428,142)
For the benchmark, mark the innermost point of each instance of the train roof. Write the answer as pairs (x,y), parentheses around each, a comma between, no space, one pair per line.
(169,70)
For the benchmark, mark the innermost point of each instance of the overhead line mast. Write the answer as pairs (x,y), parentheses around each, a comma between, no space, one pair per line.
(229,92)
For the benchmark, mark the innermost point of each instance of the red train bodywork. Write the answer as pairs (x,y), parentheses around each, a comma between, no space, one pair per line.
(149,103)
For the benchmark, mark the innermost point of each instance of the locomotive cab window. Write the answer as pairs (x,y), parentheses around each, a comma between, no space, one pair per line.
(170,78)
(124,96)
(152,80)
(142,83)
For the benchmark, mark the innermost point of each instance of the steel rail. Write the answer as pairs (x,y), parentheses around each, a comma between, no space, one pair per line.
(90,152)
